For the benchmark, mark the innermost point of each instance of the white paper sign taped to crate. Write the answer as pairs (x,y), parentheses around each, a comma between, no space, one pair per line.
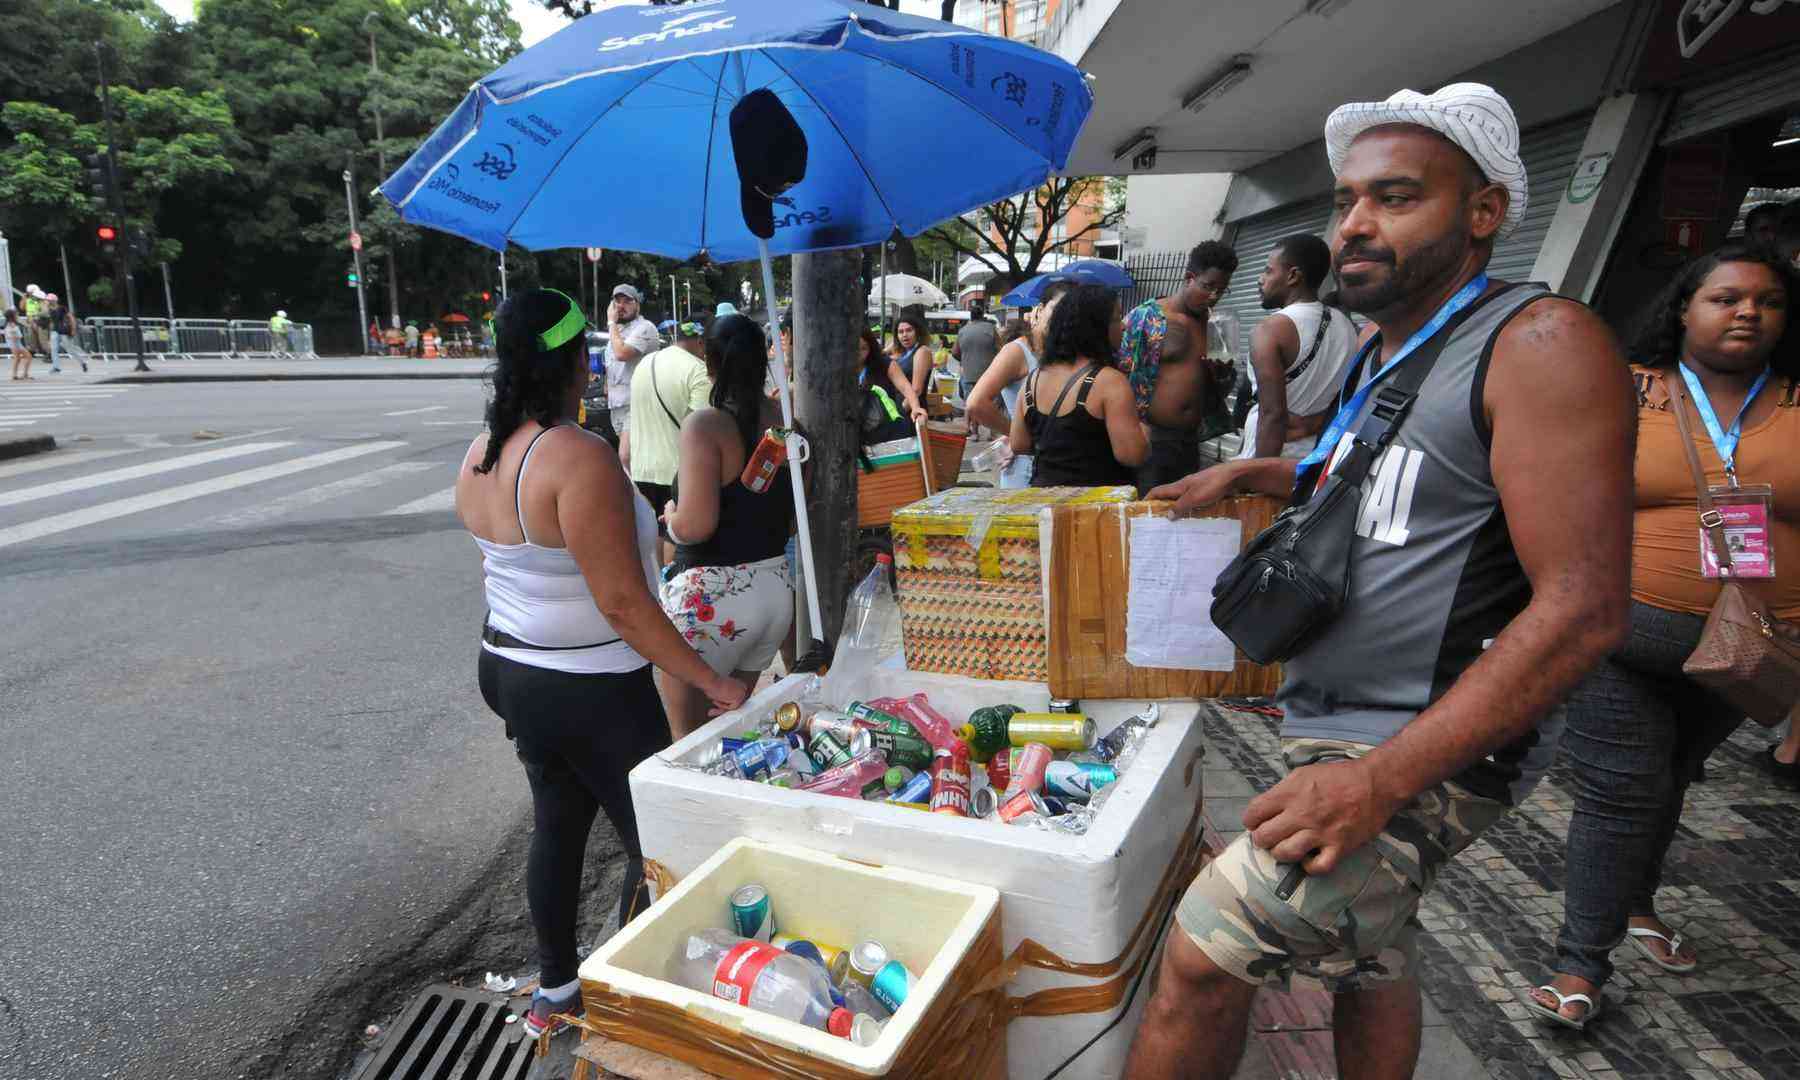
(1168,610)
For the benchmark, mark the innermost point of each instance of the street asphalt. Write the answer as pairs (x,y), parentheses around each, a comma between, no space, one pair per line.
(257,799)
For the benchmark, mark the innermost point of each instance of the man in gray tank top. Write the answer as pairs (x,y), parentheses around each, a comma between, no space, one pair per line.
(1489,572)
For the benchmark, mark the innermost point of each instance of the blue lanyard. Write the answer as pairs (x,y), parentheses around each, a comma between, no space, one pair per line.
(1334,433)
(1724,441)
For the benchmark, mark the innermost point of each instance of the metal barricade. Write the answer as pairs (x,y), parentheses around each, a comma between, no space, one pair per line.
(301,336)
(112,337)
(251,337)
(202,337)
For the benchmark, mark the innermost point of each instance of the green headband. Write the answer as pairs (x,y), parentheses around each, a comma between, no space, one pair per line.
(566,328)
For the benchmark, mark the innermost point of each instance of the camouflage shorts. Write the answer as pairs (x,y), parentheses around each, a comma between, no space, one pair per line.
(1266,922)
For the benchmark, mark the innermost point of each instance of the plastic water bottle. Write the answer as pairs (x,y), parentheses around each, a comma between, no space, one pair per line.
(872,620)
(757,975)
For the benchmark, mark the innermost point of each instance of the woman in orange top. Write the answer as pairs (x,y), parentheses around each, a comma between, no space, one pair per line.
(1638,729)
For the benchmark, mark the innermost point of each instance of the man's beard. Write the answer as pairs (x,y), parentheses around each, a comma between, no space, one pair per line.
(1403,279)
(1269,303)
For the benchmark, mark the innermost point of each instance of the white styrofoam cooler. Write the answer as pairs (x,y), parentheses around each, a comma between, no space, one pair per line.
(929,923)
(1079,896)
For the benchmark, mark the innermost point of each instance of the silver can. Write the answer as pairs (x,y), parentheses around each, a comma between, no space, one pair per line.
(983,802)
(867,958)
(753,913)
(865,1030)
(859,742)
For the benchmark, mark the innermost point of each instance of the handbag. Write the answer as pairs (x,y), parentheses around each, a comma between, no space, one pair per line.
(1291,582)
(1740,657)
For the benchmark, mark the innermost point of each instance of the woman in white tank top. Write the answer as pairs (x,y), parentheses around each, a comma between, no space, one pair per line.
(573,625)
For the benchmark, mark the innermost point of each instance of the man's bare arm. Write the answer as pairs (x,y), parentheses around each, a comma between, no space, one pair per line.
(1273,345)
(1559,402)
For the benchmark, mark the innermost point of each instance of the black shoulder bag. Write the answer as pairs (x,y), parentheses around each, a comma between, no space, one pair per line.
(1311,354)
(1293,579)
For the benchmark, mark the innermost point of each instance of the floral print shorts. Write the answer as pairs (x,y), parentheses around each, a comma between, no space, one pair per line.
(735,617)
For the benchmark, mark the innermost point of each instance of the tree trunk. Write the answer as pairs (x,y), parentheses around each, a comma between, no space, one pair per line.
(828,304)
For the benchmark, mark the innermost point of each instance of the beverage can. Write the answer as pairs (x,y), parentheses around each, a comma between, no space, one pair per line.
(1066,779)
(865,1030)
(765,461)
(999,767)
(867,958)
(1059,731)
(827,752)
(1026,771)
(752,913)
(833,959)
(1064,705)
(802,948)
(787,717)
(983,802)
(910,750)
(1021,805)
(916,789)
(887,721)
(828,720)
(891,984)
(1099,773)
(950,780)
(895,778)
(912,805)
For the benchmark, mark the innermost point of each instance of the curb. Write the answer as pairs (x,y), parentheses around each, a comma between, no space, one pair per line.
(348,376)
(25,446)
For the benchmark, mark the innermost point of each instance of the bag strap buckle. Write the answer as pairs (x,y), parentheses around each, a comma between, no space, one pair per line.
(1711,518)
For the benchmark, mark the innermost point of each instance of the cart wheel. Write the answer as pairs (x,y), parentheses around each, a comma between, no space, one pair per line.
(870,543)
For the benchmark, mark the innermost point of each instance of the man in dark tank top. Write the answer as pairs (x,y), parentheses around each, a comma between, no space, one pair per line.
(1488,573)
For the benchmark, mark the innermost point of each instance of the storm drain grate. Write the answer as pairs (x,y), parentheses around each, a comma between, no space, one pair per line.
(449,1033)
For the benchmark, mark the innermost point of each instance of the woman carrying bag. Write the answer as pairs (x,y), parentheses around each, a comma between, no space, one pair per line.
(1717,362)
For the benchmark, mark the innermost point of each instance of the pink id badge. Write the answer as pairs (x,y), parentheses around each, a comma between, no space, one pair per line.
(1747,511)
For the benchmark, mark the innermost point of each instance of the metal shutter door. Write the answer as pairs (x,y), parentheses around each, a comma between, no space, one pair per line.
(1750,91)
(1550,154)
(1255,238)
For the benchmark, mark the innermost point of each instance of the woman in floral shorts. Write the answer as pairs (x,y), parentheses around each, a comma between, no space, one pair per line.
(731,593)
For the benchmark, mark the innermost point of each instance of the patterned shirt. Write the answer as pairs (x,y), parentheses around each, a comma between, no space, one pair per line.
(1140,351)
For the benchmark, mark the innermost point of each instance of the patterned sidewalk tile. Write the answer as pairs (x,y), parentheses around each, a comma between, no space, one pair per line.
(1732,886)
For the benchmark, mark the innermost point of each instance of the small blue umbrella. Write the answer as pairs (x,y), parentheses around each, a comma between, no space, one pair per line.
(738,129)
(1081,271)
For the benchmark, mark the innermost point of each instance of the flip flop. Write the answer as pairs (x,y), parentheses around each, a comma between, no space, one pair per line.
(1555,1015)
(1637,934)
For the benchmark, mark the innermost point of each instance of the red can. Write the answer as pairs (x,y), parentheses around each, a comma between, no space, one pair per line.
(765,461)
(1023,804)
(950,780)
(1027,770)
(999,768)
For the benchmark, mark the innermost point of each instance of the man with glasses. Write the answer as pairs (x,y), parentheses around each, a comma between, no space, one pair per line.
(1164,355)
(665,388)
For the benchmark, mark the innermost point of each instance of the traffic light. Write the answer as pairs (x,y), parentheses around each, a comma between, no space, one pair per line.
(140,244)
(106,235)
(486,296)
(94,170)
(351,279)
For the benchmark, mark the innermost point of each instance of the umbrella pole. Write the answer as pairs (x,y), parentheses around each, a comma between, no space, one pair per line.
(793,448)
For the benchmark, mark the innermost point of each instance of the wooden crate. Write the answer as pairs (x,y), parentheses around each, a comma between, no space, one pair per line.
(946,449)
(1089,578)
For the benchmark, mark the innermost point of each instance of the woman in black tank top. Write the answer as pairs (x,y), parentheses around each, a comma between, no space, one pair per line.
(731,594)
(1078,414)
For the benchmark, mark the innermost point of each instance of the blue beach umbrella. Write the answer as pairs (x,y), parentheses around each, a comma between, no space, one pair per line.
(1081,271)
(739,129)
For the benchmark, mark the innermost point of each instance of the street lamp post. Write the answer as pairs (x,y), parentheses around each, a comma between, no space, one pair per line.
(118,209)
(689,286)
(393,275)
(674,304)
(362,306)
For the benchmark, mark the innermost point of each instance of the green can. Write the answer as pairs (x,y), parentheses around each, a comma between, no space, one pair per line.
(752,913)
(908,749)
(827,752)
(895,778)
(885,721)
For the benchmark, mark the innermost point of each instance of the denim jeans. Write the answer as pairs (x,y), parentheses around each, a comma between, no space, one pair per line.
(1638,732)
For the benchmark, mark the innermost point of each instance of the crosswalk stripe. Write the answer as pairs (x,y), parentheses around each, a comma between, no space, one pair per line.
(17,423)
(5,415)
(410,412)
(51,391)
(56,459)
(300,500)
(134,472)
(432,503)
(155,500)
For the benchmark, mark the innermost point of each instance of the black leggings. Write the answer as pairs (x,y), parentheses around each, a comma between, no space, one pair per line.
(579,737)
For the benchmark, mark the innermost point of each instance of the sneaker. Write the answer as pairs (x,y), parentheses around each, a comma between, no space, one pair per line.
(542,1016)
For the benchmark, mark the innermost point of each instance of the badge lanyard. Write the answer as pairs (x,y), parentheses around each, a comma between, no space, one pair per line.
(1724,441)
(1334,433)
